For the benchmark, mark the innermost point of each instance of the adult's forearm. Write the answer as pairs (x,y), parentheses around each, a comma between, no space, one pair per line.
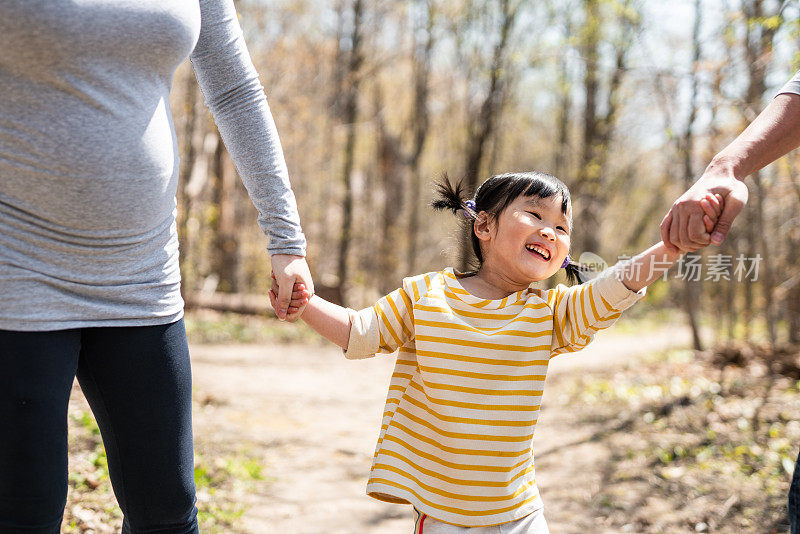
(774,133)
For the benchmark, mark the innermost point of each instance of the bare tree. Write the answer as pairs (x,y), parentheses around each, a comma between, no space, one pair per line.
(482,122)
(351,62)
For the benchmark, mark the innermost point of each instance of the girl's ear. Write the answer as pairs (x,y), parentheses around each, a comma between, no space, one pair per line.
(483,226)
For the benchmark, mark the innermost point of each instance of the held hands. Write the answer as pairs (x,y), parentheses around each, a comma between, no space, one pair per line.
(681,229)
(712,206)
(292,286)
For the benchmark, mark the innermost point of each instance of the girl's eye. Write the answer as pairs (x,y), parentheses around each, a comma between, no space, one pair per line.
(535,215)
(561,228)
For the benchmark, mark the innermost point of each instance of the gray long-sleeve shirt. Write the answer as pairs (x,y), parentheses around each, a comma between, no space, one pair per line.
(89,158)
(792,86)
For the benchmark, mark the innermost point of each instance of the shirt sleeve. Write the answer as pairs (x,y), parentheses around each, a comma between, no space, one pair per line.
(580,311)
(232,91)
(384,327)
(792,86)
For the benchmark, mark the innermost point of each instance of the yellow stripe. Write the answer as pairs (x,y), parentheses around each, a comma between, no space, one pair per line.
(453,465)
(482,391)
(583,307)
(473,405)
(450,494)
(609,307)
(451,311)
(428,282)
(480,376)
(481,344)
(485,331)
(410,363)
(591,302)
(467,420)
(401,375)
(386,324)
(573,317)
(493,453)
(399,318)
(451,509)
(408,304)
(476,359)
(479,315)
(453,292)
(458,481)
(464,313)
(415,290)
(464,435)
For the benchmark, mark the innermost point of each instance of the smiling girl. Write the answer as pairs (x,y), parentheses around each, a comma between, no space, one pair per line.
(473,352)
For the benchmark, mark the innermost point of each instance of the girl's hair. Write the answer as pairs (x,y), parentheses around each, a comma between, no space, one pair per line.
(494,195)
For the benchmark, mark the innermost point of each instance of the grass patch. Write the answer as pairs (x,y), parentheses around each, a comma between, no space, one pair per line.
(209,327)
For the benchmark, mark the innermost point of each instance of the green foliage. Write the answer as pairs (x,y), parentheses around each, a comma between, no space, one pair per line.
(232,473)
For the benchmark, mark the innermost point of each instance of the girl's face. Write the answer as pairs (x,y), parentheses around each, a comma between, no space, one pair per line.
(528,241)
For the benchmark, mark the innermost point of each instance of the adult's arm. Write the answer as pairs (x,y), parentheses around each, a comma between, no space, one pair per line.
(232,91)
(775,132)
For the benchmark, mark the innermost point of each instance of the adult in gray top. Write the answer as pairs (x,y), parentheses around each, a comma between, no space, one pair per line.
(89,280)
(774,133)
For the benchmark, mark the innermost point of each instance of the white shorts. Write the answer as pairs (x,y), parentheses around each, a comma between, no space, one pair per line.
(533,523)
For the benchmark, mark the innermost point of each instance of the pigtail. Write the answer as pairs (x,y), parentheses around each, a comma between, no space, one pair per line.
(452,197)
(574,272)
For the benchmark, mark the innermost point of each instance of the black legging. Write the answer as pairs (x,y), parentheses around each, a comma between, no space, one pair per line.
(794,498)
(138,382)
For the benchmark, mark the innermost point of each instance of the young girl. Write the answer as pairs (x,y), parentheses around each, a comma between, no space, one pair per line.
(457,434)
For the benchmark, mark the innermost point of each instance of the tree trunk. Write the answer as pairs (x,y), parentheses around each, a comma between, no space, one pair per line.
(692,288)
(483,124)
(390,173)
(349,116)
(420,123)
(225,256)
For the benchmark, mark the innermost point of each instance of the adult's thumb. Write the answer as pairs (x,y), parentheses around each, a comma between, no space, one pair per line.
(729,212)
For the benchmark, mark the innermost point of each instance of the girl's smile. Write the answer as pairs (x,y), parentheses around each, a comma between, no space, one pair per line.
(526,243)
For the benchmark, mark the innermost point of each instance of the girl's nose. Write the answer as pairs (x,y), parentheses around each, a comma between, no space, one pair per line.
(548,233)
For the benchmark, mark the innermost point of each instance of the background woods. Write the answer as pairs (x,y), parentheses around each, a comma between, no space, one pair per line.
(625,100)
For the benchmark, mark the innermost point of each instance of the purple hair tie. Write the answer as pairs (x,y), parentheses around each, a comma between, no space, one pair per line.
(470,210)
(567,261)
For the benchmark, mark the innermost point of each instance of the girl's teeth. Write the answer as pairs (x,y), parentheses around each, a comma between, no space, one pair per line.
(544,254)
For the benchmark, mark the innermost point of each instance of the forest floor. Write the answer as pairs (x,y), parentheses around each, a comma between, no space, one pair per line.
(637,434)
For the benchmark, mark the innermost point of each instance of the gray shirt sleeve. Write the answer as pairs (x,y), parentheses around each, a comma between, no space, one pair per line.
(232,91)
(792,86)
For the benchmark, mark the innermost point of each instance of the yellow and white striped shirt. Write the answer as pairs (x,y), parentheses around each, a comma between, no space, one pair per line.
(457,433)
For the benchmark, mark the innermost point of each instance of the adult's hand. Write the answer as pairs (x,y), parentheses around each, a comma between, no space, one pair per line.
(682,229)
(288,270)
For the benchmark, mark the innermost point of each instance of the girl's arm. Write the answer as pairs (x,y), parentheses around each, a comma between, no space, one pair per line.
(329,320)
(384,327)
(645,268)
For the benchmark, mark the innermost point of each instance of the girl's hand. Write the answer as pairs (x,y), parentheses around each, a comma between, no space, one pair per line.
(712,205)
(299,297)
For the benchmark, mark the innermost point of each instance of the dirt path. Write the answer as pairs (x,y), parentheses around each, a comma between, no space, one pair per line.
(312,417)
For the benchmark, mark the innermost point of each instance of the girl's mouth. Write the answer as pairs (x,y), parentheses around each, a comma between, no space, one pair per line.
(543,252)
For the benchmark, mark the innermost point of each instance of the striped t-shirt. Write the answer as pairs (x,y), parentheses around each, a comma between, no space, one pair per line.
(458,426)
